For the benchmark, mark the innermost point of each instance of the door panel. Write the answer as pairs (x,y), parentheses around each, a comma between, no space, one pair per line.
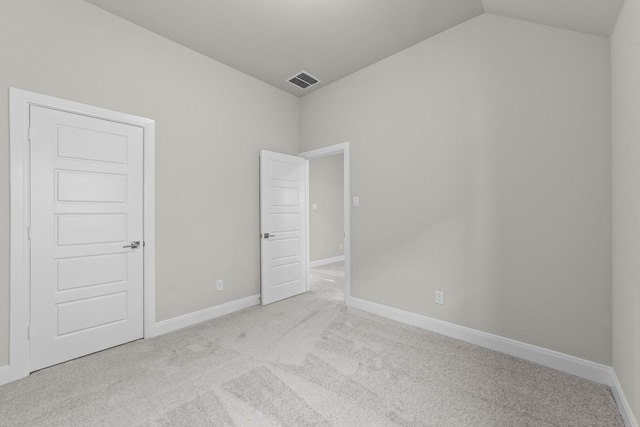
(80,272)
(284,196)
(90,313)
(284,170)
(104,147)
(282,216)
(91,187)
(86,205)
(282,222)
(285,248)
(79,229)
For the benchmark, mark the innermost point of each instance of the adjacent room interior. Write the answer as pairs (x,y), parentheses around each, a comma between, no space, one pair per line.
(491,197)
(326,220)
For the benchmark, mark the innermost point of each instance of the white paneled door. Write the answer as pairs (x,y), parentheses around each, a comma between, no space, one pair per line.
(86,235)
(282,226)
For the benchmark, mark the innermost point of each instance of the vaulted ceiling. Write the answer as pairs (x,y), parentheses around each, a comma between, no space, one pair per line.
(329,39)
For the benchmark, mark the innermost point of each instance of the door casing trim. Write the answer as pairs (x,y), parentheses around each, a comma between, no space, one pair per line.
(344,149)
(20,249)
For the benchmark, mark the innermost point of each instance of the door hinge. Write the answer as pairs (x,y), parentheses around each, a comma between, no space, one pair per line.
(29,332)
(29,233)
(30,133)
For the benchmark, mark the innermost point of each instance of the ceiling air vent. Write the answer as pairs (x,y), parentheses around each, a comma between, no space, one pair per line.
(303,80)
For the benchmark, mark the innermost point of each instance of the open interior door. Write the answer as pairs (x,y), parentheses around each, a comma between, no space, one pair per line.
(283,246)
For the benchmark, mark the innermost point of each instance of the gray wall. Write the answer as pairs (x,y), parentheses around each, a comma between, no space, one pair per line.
(625,58)
(482,160)
(326,224)
(206,153)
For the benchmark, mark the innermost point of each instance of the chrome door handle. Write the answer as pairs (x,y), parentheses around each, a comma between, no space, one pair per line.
(267,235)
(133,245)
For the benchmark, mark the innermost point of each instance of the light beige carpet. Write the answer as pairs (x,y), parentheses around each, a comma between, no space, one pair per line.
(304,361)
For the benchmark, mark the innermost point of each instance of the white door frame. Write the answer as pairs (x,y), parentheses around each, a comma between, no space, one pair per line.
(20,280)
(331,150)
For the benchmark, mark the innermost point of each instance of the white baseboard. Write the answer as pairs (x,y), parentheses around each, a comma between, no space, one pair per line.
(321,262)
(5,375)
(563,362)
(180,322)
(623,404)
(553,359)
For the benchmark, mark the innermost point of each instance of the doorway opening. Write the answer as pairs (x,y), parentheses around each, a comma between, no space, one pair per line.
(326,225)
(328,221)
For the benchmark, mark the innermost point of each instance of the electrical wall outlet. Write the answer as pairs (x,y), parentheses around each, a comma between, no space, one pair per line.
(219,285)
(439,297)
